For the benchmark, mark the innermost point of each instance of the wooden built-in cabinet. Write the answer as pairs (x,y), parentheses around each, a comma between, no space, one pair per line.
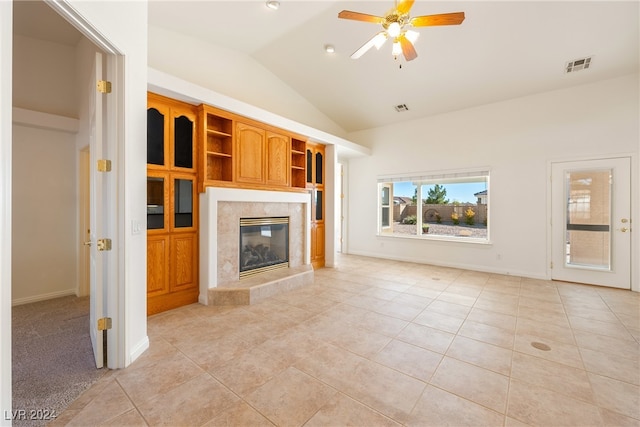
(315,185)
(190,148)
(172,204)
(215,163)
(244,153)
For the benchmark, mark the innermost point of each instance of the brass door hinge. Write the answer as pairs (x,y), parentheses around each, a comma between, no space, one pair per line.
(104,86)
(551,265)
(104,244)
(104,165)
(104,323)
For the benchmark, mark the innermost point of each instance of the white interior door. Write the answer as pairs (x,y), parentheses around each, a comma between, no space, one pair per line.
(84,261)
(591,224)
(97,270)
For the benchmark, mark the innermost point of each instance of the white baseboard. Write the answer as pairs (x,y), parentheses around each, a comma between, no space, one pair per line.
(483,269)
(43,297)
(138,349)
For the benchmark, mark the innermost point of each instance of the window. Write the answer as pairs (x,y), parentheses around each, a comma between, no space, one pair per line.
(385,197)
(449,206)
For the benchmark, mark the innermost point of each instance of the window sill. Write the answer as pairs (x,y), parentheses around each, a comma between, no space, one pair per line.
(438,238)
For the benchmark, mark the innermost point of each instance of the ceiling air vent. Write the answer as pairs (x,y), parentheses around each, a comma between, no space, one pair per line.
(578,64)
(401,107)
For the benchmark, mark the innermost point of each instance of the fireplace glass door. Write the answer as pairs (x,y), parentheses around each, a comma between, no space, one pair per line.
(264,244)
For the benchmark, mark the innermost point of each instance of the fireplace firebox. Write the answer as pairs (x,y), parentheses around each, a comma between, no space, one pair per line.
(264,245)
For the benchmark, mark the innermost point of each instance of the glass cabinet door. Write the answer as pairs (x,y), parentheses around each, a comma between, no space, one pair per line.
(156,192)
(309,166)
(319,168)
(183,202)
(183,142)
(319,206)
(155,137)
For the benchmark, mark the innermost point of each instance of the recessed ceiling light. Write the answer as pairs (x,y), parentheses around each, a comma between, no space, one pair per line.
(273,4)
(329,48)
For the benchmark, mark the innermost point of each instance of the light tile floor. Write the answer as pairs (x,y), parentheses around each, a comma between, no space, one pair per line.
(378,342)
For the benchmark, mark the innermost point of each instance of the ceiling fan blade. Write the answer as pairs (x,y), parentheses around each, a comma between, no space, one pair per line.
(408,50)
(377,41)
(455,18)
(404,6)
(357,16)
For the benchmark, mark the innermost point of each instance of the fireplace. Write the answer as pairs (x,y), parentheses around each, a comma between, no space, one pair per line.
(264,245)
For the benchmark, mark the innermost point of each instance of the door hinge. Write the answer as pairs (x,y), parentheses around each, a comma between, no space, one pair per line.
(104,323)
(551,265)
(104,165)
(104,86)
(104,244)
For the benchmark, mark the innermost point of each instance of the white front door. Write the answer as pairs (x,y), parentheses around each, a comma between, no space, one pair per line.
(590,221)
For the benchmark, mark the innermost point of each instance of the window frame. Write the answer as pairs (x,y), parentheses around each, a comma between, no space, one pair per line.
(382,207)
(429,179)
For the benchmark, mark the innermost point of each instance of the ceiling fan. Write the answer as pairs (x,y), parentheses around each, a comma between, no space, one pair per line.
(395,25)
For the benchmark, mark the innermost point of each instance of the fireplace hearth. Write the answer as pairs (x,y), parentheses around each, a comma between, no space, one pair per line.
(264,245)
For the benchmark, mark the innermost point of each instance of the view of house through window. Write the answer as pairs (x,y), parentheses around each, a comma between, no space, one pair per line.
(449,205)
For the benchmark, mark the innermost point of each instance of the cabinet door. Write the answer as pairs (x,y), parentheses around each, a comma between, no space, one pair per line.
(158,206)
(184,142)
(184,212)
(278,159)
(250,142)
(319,246)
(309,166)
(157,135)
(157,265)
(184,261)
(319,167)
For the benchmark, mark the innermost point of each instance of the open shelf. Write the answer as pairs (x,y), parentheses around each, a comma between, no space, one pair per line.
(298,163)
(217,147)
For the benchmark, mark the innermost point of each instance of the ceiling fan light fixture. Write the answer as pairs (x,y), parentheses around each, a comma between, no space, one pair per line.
(397,49)
(412,36)
(273,4)
(394,29)
(395,25)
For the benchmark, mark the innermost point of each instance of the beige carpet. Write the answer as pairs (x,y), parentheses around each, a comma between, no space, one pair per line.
(53,360)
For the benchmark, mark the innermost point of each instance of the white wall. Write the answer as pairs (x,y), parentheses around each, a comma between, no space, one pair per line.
(44,200)
(44,77)
(44,214)
(516,139)
(233,74)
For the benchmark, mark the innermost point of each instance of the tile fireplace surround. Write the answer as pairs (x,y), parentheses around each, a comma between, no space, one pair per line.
(220,213)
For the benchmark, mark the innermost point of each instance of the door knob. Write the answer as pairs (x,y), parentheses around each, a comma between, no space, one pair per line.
(87,243)
(624,229)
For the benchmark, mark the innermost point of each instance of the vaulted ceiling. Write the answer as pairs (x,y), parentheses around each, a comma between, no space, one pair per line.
(503,50)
